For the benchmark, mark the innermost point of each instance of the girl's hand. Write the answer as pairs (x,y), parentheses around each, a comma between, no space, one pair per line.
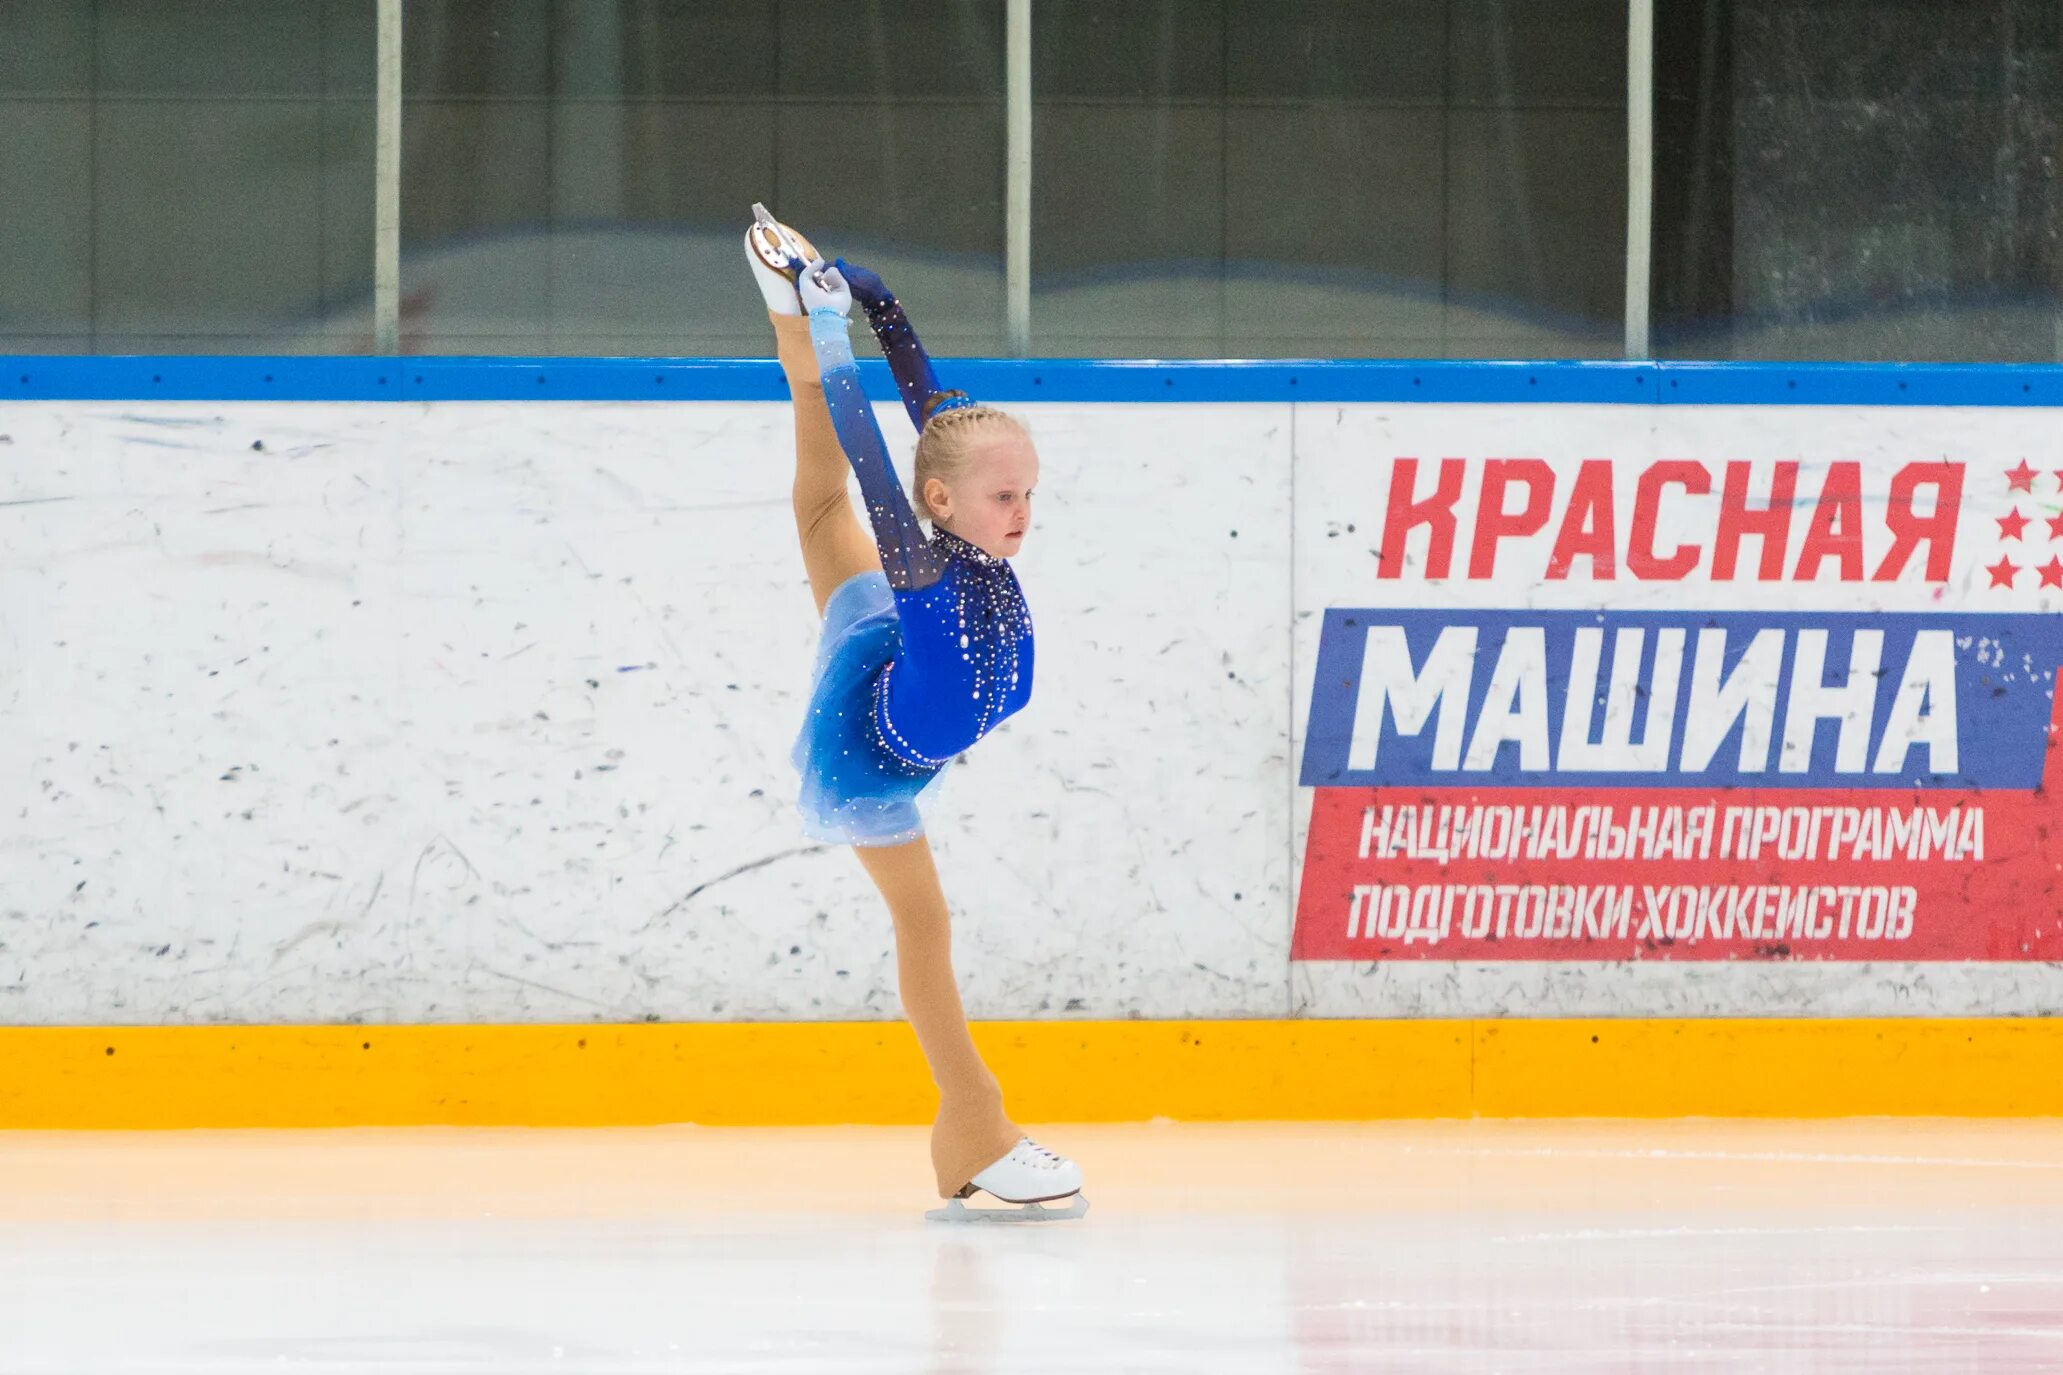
(823,288)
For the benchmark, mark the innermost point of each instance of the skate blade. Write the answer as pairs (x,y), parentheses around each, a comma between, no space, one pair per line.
(956,1211)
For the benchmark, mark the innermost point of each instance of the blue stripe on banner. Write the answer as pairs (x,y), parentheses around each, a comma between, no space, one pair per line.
(1729,699)
(213,378)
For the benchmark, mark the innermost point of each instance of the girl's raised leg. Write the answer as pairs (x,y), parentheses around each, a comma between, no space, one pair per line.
(835,545)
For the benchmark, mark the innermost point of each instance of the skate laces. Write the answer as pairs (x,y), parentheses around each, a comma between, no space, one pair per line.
(1040,1155)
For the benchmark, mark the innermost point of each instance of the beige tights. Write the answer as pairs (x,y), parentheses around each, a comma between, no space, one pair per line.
(972,1131)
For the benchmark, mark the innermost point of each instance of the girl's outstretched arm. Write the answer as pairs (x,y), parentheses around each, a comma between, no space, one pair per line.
(906,556)
(914,376)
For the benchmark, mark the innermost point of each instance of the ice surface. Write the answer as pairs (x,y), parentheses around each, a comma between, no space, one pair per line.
(1523,1247)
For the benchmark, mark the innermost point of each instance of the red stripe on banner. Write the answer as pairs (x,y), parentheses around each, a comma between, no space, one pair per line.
(1685,874)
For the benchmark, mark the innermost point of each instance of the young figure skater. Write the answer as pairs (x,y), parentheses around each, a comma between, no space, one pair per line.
(926,647)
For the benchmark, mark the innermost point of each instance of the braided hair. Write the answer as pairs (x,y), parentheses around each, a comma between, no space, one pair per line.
(945,446)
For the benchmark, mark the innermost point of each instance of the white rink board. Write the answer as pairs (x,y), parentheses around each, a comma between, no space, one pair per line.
(481,712)
(475,712)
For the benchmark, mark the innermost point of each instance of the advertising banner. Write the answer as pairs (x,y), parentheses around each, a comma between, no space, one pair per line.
(1712,683)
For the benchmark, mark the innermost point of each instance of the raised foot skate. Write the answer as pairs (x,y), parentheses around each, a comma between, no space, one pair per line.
(1030,1176)
(778,255)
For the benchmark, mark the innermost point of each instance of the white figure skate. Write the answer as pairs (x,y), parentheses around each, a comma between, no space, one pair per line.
(778,256)
(1031,1177)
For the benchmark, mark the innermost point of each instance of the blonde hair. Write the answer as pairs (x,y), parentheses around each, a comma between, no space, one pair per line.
(945,447)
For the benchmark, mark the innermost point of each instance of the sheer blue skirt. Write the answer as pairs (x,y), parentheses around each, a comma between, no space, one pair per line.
(854,791)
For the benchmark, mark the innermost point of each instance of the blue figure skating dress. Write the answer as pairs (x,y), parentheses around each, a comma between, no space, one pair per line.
(920,659)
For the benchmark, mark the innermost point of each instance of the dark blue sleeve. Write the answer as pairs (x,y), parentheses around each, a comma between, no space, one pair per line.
(914,377)
(906,555)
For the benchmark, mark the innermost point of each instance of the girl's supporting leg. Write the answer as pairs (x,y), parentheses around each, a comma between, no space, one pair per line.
(835,546)
(971,1132)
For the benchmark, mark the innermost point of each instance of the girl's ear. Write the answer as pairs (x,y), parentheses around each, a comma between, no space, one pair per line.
(937,499)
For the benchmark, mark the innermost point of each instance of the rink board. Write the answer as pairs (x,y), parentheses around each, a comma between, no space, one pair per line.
(458,692)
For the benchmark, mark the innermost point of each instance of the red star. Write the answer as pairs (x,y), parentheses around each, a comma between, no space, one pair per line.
(2002,572)
(2020,479)
(2052,573)
(2011,526)
(2056,527)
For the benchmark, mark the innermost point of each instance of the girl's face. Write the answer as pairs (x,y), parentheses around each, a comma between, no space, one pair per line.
(990,505)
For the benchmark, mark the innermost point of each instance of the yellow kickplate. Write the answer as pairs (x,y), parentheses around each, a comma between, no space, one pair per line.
(813,1073)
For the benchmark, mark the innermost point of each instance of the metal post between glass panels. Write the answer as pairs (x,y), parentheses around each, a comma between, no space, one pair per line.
(386,274)
(1640,170)
(1017,105)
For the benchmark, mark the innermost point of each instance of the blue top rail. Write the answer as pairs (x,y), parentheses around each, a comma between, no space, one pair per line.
(310,378)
